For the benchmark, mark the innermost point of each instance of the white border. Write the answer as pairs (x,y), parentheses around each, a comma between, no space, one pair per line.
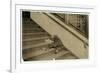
(16,66)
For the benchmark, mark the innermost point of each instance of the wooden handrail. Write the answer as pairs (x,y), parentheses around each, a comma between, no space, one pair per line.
(62,24)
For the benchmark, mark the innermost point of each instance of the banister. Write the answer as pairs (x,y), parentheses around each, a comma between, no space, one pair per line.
(62,24)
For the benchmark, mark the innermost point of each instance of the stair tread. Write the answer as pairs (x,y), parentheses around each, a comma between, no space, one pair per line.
(67,56)
(36,38)
(51,55)
(32,28)
(27,25)
(36,53)
(25,43)
(36,45)
(34,33)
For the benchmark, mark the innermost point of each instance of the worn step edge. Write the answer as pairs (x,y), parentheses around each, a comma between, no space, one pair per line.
(38,38)
(52,56)
(36,53)
(37,45)
(35,33)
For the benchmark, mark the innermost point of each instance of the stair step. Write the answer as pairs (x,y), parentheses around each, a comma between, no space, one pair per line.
(37,38)
(25,51)
(67,56)
(25,32)
(50,55)
(36,53)
(36,45)
(39,33)
(31,28)
(33,31)
(26,43)
(30,24)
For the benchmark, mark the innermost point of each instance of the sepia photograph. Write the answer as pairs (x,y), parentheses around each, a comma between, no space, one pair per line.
(54,35)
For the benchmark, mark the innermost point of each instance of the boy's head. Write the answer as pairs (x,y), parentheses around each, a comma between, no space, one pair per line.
(53,36)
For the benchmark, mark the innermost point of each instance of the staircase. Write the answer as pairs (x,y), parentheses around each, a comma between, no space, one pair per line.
(35,41)
(71,39)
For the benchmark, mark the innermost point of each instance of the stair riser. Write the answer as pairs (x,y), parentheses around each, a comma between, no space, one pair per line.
(33,46)
(35,36)
(36,57)
(29,24)
(35,31)
(29,30)
(32,28)
(49,55)
(67,56)
(26,43)
(26,51)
